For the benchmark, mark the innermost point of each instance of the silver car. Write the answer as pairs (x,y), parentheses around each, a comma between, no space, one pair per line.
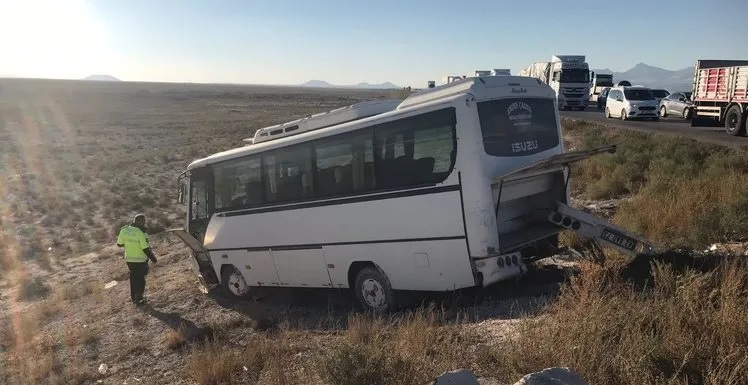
(676,104)
(659,94)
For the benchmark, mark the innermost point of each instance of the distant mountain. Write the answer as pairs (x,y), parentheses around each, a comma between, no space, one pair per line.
(655,77)
(324,84)
(385,85)
(105,78)
(317,84)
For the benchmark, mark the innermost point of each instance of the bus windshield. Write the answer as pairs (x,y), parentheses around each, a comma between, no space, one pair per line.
(518,126)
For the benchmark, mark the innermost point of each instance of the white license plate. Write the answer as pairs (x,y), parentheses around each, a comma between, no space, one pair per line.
(618,239)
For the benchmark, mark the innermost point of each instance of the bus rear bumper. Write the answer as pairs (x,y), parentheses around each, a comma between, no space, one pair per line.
(500,268)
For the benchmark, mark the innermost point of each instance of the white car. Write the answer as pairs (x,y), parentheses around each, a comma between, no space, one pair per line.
(631,103)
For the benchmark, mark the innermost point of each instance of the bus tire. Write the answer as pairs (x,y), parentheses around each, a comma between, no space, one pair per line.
(735,121)
(233,282)
(373,291)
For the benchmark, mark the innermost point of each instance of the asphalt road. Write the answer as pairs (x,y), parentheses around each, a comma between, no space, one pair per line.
(669,126)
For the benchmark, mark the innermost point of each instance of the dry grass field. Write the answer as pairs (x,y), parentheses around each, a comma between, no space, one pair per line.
(77,160)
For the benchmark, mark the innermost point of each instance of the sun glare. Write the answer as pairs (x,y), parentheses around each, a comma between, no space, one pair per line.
(50,38)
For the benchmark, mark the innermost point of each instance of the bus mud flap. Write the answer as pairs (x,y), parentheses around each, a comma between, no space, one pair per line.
(598,229)
(200,261)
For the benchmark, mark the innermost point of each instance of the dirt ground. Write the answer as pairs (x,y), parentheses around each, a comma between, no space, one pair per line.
(93,325)
(77,160)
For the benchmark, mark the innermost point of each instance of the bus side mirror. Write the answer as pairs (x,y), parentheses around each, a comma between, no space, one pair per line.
(182,188)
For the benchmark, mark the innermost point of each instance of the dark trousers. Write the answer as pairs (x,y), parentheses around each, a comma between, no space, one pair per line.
(138,271)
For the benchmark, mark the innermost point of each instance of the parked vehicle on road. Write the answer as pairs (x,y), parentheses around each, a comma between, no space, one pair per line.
(500,72)
(659,93)
(676,104)
(455,78)
(568,75)
(623,83)
(598,82)
(602,98)
(720,95)
(631,103)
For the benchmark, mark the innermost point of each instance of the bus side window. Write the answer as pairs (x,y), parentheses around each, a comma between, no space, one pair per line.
(288,173)
(238,183)
(434,149)
(344,165)
(363,164)
(416,151)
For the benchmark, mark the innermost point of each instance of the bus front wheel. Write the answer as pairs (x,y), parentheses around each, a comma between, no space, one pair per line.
(373,291)
(233,282)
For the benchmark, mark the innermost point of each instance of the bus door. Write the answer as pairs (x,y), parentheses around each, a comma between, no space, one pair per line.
(199,198)
(201,259)
(201,202)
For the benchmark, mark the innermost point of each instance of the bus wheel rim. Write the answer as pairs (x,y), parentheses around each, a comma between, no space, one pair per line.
(373,293)
(237,284)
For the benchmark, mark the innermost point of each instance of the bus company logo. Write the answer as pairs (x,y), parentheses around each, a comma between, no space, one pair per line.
(524,146)
(520,113)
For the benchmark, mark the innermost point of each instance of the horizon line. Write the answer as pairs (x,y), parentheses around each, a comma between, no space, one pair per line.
(118,80)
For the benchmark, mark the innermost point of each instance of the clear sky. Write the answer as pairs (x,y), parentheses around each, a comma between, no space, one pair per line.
(348,41)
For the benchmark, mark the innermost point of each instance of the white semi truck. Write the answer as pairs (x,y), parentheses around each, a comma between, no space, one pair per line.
(480,73)
(568,75)
(493,72)
(501,72)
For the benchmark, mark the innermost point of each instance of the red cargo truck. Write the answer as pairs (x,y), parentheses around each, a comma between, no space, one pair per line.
(720,95)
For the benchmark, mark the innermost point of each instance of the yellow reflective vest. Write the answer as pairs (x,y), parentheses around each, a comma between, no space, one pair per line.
(135,240)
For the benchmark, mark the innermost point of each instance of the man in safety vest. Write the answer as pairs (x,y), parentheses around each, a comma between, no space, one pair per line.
(134,240)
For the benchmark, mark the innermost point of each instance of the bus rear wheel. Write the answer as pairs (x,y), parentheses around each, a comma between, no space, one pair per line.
(373,291)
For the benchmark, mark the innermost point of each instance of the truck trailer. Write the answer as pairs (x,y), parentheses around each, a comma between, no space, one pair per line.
(568,75)
(720,95)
